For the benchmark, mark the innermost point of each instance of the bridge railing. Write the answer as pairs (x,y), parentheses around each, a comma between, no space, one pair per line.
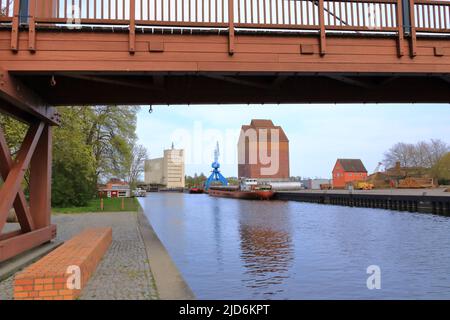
(6,10)
(429,16)
(399,17)
(352,15)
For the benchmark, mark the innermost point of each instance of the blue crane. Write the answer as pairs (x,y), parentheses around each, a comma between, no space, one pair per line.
(216,176)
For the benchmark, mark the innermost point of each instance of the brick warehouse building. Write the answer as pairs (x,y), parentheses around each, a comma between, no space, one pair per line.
(252,144)
(346,171)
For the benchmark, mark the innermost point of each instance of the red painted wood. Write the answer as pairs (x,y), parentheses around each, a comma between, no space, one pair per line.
(20,243)
(20,205)
(40,179)
(12,184)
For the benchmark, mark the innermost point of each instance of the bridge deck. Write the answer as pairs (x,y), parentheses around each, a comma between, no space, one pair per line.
(228,51)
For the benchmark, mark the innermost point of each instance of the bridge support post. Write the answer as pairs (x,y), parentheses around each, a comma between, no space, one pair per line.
(230,27)
(401,28)
(412,33)
(132,40)
(34,155)
(15,27)
(323,35)
(32,27)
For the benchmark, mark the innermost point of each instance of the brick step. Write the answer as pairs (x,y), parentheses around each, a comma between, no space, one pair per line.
(62,274)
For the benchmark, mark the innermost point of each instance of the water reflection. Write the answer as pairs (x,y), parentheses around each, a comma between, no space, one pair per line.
(236,249)
(218,233)
(266,248)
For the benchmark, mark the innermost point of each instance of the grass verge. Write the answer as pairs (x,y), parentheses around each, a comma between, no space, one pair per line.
(109,205)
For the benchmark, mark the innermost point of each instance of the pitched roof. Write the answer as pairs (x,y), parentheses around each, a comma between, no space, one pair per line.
(352,165)
(265,124)
(261,123)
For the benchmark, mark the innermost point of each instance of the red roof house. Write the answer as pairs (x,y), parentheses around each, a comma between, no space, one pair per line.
(346,171)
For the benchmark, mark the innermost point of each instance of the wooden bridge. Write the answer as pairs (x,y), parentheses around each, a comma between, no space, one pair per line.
(85,52)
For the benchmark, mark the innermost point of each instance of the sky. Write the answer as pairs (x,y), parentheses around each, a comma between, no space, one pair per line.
(318,134)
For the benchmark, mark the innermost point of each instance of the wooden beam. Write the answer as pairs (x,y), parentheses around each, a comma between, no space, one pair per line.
(20,205)
(12,184)
(41,179)
(132,36)
(15,27)
(446,78)
(20,96)
(413,38)
(10,234)
(32,26)
(279,80)
(20,243)
(237,81)
(350,81)
(401,36)
(131,84)
(322,43)
(231,33)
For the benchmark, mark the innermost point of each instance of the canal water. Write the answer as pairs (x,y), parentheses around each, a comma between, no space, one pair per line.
(241,249)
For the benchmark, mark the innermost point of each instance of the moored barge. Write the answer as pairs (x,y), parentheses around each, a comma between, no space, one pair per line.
(248,190)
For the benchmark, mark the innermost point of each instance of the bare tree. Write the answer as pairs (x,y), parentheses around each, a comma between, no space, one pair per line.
(137,164)
(422,154)
(400,152)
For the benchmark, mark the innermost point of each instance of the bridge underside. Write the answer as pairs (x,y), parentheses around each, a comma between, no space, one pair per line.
(235,88)
(75,67)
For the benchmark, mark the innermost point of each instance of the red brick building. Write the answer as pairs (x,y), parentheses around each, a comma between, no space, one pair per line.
(263,151)
(115,188)
(348,170)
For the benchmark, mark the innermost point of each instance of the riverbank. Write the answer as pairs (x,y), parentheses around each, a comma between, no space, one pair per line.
(124,273)
(434,201)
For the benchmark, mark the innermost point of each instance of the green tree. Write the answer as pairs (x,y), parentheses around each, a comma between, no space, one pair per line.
(14,131)
(74,174)
(110,131)
(92,144)
(441,170)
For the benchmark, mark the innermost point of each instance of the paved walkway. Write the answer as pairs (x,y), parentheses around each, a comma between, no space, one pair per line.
(124,273)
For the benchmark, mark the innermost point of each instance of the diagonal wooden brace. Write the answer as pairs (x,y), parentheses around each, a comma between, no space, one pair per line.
(12,184)
(20,204)
(24,99)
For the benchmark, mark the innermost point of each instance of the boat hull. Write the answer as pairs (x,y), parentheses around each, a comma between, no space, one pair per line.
(196,191)
(248,195)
